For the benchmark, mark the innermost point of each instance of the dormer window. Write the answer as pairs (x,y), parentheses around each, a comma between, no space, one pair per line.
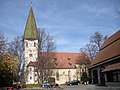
(69,63)
(68,58)
(55,59)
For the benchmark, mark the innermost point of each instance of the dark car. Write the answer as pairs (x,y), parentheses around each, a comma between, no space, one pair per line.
(56,86)
(74,82)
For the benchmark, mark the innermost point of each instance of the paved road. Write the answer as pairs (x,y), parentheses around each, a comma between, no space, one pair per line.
(77,87)
(89,87)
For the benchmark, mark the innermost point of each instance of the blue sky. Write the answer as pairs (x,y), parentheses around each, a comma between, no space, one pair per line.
(70,22)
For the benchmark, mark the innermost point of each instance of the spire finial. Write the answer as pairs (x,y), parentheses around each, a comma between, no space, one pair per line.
(31,3)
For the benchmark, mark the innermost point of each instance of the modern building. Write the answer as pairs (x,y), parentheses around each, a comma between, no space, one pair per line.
(66,68)
(105,68)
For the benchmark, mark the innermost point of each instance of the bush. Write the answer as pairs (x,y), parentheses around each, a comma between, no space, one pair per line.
(30,85)
(51,80)
(84,77)
(23,85)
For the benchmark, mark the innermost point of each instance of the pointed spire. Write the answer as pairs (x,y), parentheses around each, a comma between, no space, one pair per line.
(31,4)
(31,28)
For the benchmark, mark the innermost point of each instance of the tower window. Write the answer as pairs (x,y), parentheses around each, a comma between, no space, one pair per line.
(35,74)
(30,55)
(30,77)
(35,44)
(30,50)
(26,44)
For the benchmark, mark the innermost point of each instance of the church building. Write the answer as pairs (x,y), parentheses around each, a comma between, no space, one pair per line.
(66,68)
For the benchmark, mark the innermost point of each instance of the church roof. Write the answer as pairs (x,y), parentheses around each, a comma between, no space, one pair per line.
(31,28)
(109,51)
(32,64)
(63,60)
(66,60)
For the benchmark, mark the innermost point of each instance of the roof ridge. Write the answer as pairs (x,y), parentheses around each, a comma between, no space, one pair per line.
(111,39)
(109,44)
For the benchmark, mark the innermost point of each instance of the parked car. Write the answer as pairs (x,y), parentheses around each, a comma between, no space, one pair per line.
(17,85)
(74,82)
(55,85)
(45,85)
(6,88)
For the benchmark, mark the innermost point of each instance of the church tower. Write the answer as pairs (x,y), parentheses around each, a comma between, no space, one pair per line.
(30,44)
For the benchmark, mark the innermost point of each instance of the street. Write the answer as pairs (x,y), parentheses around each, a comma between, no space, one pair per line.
(77,87)
(89,87)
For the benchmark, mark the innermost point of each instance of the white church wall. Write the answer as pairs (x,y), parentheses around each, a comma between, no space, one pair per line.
(65,75)
(30,54)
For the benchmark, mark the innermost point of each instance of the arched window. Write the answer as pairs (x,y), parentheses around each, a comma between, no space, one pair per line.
(30,77)
(69,75)
(57,76)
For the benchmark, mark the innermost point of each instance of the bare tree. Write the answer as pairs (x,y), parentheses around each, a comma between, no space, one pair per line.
(83,59)
(46,55)
(94,45)
(15,48)
(98,39)
(91,50)
(2,43)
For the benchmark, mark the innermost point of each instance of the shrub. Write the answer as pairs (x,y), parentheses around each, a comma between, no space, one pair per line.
(30,85)
(84,77)
(51,80)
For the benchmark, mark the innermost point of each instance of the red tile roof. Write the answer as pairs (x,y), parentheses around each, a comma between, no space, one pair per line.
(109,51)
(64,60)
(115,66)
(111,39)
(32,64)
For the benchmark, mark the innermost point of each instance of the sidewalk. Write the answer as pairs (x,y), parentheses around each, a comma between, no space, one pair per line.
(94,87)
